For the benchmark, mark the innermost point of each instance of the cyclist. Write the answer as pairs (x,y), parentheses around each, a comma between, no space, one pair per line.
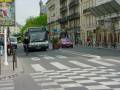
(26,43)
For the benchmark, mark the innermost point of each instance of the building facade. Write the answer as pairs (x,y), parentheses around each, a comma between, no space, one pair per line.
(43,8)
(97,20)
(108,22)
(70,18)
(74,20)
(87,20)
(53,15)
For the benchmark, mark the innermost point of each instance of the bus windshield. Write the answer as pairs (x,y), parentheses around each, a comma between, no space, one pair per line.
(37,36)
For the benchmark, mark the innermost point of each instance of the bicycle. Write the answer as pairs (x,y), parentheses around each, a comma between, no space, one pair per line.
(26,49)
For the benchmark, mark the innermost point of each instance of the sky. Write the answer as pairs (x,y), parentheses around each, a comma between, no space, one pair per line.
(25,9)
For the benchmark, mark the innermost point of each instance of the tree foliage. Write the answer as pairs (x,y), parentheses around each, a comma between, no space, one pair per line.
(34,22)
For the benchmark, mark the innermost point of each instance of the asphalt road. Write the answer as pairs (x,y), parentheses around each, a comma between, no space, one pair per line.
(68,69)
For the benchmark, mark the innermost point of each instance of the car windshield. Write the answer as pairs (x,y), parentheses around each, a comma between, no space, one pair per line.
(37,36)
(13,39)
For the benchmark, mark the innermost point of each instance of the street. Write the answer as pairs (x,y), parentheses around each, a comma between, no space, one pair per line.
(79,42)
(67,69)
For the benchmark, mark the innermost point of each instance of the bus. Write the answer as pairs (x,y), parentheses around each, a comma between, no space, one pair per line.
(38,38)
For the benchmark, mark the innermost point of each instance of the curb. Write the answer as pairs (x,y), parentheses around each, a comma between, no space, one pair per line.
(116,49)
(19,70)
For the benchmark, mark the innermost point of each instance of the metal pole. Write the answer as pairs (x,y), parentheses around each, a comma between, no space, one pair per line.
(5,46)
(0,64)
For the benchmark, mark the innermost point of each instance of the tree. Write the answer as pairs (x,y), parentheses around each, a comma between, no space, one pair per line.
(37,21)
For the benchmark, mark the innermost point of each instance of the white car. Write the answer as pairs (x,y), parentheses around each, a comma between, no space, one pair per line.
(13,41)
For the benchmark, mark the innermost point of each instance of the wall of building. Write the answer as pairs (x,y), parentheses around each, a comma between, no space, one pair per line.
(87,20)
(53,15)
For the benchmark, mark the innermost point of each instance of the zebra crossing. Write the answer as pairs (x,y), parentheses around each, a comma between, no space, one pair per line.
(88,74)
(101,78)
(77,63)
(47,57)
(6,85)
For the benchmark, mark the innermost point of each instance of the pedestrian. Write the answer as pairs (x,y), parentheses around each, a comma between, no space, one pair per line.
(1,46)
(94,42)
(88,41)
(26,42)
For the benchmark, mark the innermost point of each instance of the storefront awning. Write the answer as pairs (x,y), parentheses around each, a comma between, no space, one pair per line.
(107,8)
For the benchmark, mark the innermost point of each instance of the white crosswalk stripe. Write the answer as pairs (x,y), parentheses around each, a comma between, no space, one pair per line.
(59,65)
(38,67)
(101,62)
(48,57)
(113,60)
(79,64)
(35,59)
(61,57)
(6,85)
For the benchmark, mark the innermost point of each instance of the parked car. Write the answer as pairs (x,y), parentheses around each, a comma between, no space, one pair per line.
(66,42)
(13,41)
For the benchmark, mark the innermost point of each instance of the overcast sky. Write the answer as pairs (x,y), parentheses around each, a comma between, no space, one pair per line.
(25,9)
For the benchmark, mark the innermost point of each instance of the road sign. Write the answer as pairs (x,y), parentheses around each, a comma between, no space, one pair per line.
(7,12)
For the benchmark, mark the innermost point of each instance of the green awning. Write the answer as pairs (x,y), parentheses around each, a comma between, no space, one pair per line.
(107,8)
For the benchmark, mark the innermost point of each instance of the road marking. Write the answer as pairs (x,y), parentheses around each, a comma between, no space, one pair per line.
(59,65)
(38,67)
(48,84)
(35,59)
(42,79)
(110,83)
(68,85)
(6,84)
(82,54)
(48,57)
(92,56)
(61,56)
(85,81)
(98,78)
(7,88)
(97,87)
(116,89)
(7,81)
(39,76)
(63,80)
(113,60)
(76,77)
(102,63)
(34,74)
(80,64)
(116,79)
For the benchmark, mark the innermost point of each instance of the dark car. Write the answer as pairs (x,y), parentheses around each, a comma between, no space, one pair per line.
(66,42)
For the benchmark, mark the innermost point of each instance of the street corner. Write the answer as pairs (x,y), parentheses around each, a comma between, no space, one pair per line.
(9,71)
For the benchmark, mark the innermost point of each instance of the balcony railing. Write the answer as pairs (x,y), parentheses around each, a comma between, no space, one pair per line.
(86,10)
(63,9)
(64,19)
(73,3)
(74,16)
(61,1)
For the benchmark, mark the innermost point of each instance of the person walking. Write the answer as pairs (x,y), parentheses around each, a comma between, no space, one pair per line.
(1,46)
(26,43)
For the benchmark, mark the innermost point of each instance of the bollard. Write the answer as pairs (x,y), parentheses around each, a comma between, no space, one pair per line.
(0,64)
(14,60)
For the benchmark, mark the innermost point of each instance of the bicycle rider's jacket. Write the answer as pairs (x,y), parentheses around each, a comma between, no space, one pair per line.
(26,41)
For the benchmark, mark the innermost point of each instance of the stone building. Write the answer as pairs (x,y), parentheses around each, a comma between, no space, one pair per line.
(53,15)
(108,22)
(87,20)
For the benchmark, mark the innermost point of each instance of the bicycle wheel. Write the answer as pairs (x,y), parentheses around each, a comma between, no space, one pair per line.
(26,52)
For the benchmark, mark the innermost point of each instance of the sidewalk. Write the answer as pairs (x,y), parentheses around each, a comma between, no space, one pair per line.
(109,48)
(7,71)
